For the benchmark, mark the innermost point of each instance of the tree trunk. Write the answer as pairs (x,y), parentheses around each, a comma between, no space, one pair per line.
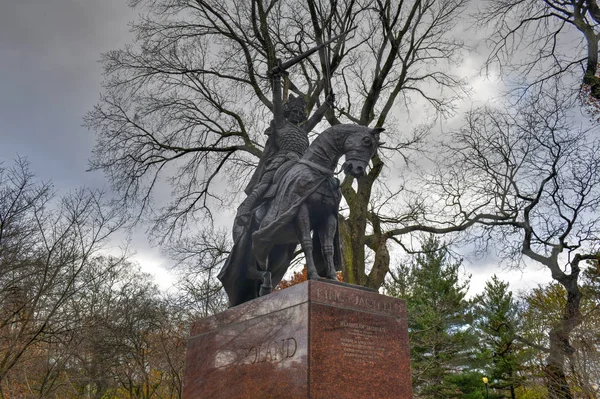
(558,387)
(353,240)
(589,76)
(512,385)
(353,229)
(560,347)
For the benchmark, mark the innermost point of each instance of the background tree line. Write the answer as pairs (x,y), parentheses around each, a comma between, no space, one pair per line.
(75,322)
(456,341)
(114,335)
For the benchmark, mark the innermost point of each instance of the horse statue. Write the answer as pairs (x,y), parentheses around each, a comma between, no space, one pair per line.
(303,198)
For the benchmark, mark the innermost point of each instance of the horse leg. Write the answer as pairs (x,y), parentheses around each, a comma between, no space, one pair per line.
(326,235)
(254,273)
(303,232)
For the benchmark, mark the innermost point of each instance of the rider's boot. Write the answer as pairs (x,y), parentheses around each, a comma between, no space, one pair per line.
(243,215)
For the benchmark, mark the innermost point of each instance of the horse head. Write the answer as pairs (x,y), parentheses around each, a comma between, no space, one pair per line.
(359,148)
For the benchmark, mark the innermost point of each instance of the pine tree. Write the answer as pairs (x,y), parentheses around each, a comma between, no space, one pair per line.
(497,323)
(441,341)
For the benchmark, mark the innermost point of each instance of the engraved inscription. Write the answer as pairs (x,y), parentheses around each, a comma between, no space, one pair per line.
(330,295)
(360,342)
(273,351)
(357,300)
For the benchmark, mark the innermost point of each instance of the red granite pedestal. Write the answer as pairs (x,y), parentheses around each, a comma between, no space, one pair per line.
(313,340)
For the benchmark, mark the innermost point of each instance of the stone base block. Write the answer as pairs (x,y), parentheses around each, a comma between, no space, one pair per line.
(317,339)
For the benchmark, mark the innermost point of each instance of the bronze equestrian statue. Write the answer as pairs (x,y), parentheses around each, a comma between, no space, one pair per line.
(293,192)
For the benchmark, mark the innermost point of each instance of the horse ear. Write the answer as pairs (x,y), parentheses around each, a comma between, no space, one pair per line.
(375,132)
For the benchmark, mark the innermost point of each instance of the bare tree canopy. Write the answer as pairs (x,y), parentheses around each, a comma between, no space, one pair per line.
(186,105)
(542,39)
(46,244)
(530,176)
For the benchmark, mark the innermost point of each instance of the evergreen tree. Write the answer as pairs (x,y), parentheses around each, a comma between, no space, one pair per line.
(497,324)
(441,340)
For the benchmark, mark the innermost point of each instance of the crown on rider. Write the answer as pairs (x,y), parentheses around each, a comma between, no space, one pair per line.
(294,104)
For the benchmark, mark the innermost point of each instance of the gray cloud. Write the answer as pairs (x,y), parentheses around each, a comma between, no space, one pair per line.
(49,52)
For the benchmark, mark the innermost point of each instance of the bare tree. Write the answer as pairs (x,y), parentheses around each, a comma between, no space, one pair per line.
(198,259)
(543,39)
(544,305)
(187,104)
(96,350)
(530,179)
(117,336)
(45,244)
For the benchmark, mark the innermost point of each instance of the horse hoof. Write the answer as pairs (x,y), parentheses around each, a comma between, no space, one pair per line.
(332,277)
(265,290)
(313,276)
(266,287)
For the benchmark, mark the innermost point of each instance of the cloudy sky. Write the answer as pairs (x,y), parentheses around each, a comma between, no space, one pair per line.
(49,52)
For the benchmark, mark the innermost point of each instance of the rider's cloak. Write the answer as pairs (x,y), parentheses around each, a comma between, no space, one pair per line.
(276,213)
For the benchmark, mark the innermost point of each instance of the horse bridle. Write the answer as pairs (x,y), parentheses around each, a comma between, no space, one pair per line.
(317,167)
